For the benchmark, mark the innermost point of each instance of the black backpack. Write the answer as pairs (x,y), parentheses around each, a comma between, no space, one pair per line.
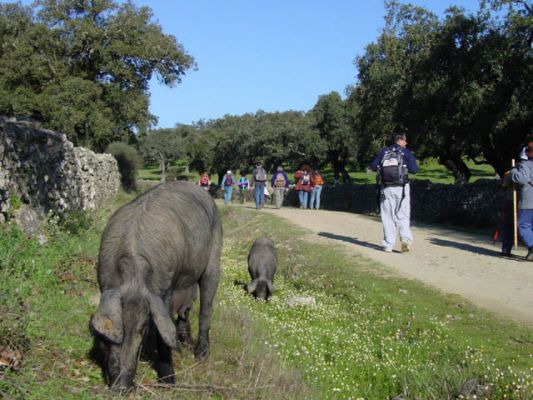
(392,171)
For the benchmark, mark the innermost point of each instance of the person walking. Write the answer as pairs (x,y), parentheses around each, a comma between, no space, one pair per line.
(227,186)
(259,178)
(317,181)
(393,164)
(280,184)
(522,175)
(303,184)
(243,184)
(204,181)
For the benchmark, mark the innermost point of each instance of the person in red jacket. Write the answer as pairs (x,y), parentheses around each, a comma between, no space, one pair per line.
(303,184)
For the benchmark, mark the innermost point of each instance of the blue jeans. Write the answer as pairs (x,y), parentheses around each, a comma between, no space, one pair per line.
(259,193)
(315,197)
(525,226)
(227,194)
(303,195)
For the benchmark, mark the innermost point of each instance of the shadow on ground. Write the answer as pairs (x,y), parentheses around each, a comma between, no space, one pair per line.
(348,239)
(470,248)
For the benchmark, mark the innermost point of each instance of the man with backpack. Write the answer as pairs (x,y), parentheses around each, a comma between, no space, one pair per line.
(227,186)
(259,178)
(393,164)
(280,183)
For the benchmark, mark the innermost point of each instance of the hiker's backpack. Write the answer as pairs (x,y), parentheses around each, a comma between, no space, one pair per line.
(229,180)
(305,178)
(280,180)
(260,175)
(392,171)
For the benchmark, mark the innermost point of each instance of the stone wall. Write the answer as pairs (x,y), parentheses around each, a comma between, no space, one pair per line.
(45,171)
(473,205)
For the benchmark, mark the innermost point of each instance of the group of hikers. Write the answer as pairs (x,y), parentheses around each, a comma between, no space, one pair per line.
(393,165)
(308,184)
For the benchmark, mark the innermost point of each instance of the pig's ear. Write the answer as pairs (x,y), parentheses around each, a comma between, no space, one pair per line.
(107,320)
(270,287)
(163,320)
(250,288)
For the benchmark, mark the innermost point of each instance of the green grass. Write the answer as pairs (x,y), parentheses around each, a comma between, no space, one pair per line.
(429,169)
(372,336)
(369,335)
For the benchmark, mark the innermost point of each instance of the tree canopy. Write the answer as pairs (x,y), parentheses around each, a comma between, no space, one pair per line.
(83,67)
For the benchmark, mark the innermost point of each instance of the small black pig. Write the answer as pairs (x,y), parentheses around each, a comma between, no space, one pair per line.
(154,254)
(262,264)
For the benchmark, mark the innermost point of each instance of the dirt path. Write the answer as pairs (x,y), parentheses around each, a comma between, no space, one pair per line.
(467,264)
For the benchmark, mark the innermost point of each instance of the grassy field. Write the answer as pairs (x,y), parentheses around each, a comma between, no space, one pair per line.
(362,335)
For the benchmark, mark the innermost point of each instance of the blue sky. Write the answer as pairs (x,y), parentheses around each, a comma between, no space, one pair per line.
(270,55)
(273,55)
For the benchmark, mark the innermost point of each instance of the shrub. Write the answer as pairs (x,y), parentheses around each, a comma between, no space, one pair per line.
(128,161)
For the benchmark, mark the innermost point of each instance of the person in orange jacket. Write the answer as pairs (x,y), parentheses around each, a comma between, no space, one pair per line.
(317,181)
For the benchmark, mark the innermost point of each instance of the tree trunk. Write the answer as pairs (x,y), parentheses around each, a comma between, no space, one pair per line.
(458,168)
(163,166)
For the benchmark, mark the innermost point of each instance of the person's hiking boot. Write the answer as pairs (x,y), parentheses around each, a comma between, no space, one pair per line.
(529,256)
(405,247)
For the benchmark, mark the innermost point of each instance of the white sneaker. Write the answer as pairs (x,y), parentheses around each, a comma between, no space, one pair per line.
(387,249)
(405,247)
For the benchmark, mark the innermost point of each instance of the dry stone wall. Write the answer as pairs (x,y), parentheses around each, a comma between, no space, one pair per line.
(44,170)
(472,205)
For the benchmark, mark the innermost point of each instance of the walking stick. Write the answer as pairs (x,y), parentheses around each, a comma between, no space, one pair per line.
(514,211)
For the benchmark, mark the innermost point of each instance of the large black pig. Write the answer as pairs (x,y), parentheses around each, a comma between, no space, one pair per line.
(154,253)
(262,264)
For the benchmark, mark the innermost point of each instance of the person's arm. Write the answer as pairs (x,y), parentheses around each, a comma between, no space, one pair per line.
(377,160)
(412,166)
(521,174)
(223,182)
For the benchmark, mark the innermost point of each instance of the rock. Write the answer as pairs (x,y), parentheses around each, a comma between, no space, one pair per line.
(473,389)
(305,301)
(28,221)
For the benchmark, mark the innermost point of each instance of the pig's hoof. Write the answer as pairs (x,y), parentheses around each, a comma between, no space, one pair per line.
(201,352)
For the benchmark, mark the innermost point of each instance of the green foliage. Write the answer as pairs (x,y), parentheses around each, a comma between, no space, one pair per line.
(128,161)
(331,120)
(461,85)
(69,65)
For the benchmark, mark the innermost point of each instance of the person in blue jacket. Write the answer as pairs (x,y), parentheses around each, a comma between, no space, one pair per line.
(393,164)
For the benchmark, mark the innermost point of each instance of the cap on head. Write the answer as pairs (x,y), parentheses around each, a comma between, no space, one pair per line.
(229,172)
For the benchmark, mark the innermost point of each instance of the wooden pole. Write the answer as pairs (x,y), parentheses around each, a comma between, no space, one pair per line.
(515,230)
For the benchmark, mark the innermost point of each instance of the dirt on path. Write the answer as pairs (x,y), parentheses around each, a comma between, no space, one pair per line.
(467,264)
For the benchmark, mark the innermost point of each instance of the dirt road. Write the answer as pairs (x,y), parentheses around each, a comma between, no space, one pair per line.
(467,264)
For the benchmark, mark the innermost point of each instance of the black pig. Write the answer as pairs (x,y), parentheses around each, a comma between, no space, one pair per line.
(262,264)
(154,253)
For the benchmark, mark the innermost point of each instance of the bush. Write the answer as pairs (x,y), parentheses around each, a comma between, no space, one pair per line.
(128,161)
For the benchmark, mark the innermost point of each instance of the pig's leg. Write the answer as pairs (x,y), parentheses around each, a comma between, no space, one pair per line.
(163,364)
(208,287)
